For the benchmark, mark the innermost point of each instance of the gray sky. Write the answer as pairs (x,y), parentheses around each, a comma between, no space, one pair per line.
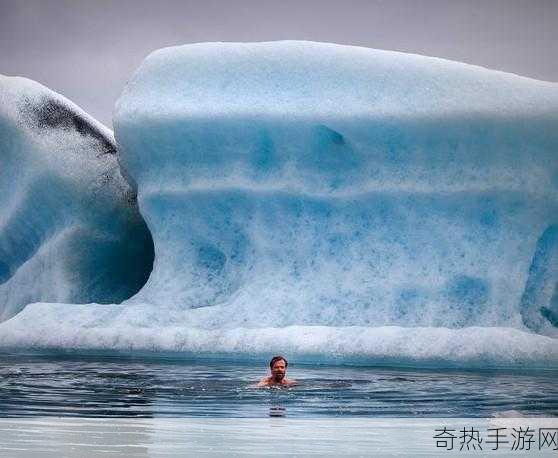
(87,50)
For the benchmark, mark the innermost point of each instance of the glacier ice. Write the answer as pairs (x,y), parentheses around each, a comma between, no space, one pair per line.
(70,230)
(337,202)
(296,183)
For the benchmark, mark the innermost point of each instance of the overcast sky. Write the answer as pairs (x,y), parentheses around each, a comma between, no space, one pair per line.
(87,50)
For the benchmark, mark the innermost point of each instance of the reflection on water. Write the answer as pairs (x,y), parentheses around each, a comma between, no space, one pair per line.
(93,386)
(51,437)
(277,411)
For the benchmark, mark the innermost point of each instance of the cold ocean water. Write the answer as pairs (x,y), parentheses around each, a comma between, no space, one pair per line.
(140,405)
(98,385)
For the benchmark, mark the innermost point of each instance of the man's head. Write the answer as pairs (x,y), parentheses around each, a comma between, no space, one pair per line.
(278,366)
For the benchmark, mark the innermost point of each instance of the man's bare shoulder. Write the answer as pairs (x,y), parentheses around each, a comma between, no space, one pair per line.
(262,383)
(267,382)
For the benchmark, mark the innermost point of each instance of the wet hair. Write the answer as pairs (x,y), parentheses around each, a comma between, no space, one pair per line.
(277,358)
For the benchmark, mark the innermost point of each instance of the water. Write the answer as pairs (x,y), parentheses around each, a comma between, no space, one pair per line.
(143,437)
(71,385)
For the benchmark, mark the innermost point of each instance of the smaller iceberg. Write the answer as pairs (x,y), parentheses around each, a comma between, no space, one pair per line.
(70,230)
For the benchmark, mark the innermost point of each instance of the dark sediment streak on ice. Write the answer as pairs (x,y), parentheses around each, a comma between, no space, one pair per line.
(70,229)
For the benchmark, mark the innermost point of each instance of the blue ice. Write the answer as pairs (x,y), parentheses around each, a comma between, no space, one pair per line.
(70,230)
(334,202)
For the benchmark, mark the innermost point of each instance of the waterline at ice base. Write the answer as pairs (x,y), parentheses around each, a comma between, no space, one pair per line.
(334,203)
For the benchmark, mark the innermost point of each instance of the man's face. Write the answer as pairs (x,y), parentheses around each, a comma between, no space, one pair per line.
(278,370)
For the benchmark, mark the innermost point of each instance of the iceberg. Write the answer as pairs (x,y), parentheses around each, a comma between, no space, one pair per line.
(335,203)
(70,230)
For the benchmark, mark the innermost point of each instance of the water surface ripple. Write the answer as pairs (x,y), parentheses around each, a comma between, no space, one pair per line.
(101,386)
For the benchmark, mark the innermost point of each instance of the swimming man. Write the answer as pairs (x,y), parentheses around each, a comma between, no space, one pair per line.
(278,368)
